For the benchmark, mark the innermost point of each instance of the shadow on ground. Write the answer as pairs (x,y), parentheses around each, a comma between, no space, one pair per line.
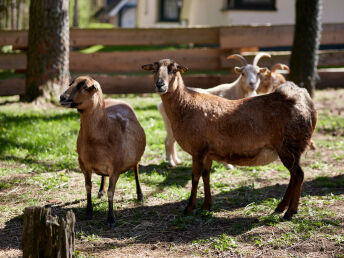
(146,224)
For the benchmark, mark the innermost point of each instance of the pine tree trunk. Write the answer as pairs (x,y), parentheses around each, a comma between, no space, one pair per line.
(19,14)
(76,14)
(13,14)
(304,58)
(45,235)
(8,14)
(48,50)
(2,12)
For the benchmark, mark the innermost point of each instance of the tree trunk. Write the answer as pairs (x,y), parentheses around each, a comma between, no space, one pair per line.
(2,12)
(45,235)
(48,50)
(13,14)
(8,15)
(76,14)
(19,14)
(304,58)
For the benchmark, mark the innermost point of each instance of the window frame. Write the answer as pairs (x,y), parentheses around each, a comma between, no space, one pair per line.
(240,5)
(161,13)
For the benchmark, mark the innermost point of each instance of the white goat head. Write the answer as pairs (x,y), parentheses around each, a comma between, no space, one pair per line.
(249,73)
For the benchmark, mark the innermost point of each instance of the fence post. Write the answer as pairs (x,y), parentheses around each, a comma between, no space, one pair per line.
(45,235)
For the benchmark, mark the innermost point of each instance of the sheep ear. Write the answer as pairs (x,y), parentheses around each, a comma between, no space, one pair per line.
(95,87)
(148,67)
(238,70)
(182,69)
(264,71)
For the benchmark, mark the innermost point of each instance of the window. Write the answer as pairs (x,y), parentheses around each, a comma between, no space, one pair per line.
(170,10)
(251,4)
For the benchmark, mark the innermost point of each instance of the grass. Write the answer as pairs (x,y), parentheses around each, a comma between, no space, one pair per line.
(38,166)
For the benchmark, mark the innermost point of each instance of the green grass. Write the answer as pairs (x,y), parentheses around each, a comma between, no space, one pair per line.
(38,166)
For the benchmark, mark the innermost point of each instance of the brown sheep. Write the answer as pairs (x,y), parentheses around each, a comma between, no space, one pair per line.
(247,132)
(270,80)
(111,140)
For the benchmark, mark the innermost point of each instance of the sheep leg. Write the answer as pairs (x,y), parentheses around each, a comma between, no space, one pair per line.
(287,196)
(174,152)
(171,155)
(88,185)
(111,189)
(197,169)
(169,149)
(138,187)
(206,182)
(294,203)
(102,188)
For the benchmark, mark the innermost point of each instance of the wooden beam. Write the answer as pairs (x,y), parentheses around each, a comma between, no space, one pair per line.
(329,78)
(273,36)
(131,61)
(326,58)
(18,39)
(195,59)
(144,37)
(227,37)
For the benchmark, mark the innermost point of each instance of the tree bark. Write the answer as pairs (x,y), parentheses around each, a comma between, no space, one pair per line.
(13,14)
(304,58)
(2,12)
(8,14)
(45,235)
(19,14)
(76,14)
(48,50)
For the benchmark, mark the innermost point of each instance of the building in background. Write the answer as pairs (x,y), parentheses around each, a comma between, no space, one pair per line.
(120,13)
(175,13)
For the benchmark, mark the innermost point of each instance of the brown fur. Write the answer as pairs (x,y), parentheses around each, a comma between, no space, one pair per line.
(252,131)
(110,141)
(271,80)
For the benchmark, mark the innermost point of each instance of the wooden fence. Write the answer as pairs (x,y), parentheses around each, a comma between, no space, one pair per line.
(213,45)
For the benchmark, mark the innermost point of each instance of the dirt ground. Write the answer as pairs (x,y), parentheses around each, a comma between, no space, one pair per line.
(239,226)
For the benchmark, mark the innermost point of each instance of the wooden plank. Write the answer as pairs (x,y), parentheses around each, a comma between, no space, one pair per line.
(326,58)
(18,39)
(131,61)
(195,59)
(329,78)
(273,36)
(13,86)
(228,37)
(13,61)
(124,37)
(144,37)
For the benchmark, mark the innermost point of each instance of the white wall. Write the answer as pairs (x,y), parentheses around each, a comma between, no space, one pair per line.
(211,13)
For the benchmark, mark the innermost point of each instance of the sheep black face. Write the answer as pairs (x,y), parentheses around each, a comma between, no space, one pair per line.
(80,93)
(164,72)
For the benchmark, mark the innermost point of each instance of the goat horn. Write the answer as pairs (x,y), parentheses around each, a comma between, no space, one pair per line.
(240,58)
(280,67)
(259,56)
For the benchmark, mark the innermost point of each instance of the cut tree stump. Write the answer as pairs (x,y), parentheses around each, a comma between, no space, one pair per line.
(45,235)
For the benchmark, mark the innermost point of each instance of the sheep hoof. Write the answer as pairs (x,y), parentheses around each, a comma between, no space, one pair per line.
(289,215)
(140,197)
(278,211)
(100,194)
(89,216)
(111,222)
(171,163)
(188,210)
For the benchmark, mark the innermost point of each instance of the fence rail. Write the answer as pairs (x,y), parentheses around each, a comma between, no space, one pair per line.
(214,43)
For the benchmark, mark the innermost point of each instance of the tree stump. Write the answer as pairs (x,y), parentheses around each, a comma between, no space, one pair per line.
(45,235)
